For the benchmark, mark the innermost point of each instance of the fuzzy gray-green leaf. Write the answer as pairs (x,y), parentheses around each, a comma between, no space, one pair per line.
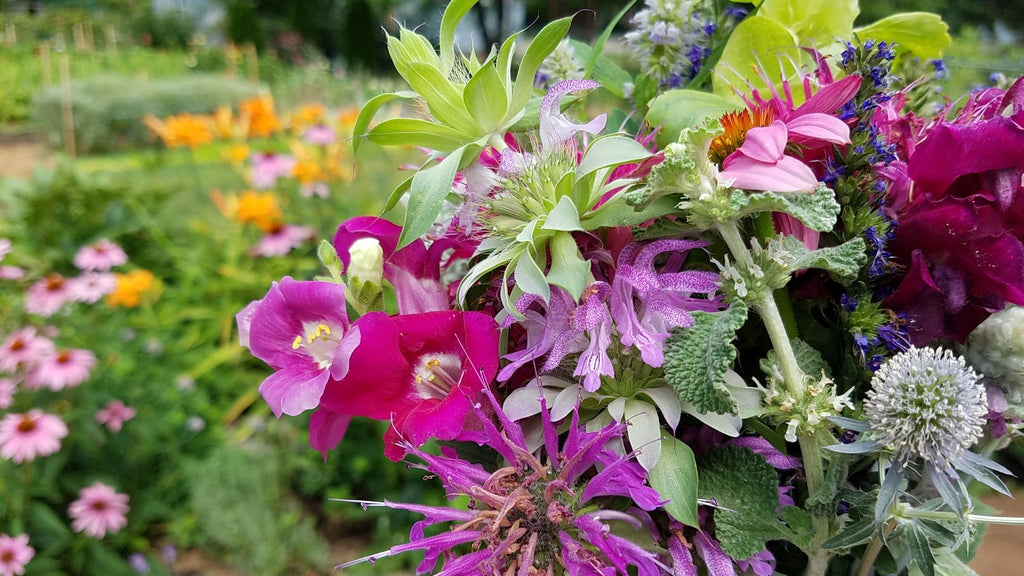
(818,210)
(697,357)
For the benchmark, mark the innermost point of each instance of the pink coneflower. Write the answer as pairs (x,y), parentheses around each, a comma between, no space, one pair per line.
(47,295)
(7,390)
(101,255)
(114,415)
(98,510)
(281,241)
(11,273)
(92,286)
(23,349)
(25,436)
(62,369)
(5,247)
(320,135)
(15,553)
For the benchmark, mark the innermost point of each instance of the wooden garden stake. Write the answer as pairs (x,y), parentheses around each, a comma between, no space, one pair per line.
(230,59)
(78,35)
(90,44)
(44,62)
(10,35)
(111,34)
(253,63)
(67,114)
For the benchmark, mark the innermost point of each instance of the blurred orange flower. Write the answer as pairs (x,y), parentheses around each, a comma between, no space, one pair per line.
(259,209)
(237,154)
(261,116)
(307,115)
(130,288)
(180,130)
(307,172)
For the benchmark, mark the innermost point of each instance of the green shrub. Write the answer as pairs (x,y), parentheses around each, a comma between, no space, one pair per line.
(108,110)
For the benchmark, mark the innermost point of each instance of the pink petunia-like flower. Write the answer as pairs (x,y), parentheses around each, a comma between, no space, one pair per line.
(15,553)
(281,241)
(23,437)
(47,295)
(62,369)
(300,329)
(99,510)
(100,256)
(114,415)
(23,349)
(7,389)
(92,286)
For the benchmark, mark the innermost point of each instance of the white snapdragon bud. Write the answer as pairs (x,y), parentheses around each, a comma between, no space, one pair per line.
(365,275)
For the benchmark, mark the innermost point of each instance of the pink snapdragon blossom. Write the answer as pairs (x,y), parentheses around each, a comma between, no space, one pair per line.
(62,369)
(114,415)
(100,256)
(47,295)
(23,437)
(99,509)
(15,553)
(301,330)
(23,349)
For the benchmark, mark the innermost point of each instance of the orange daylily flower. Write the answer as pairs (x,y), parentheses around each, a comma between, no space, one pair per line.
(131,287)
(259,209)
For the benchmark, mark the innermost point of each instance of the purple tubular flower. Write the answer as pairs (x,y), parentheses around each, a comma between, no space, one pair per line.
(537,513)
(646,304)
(301,330)
(542,331)
(555,128)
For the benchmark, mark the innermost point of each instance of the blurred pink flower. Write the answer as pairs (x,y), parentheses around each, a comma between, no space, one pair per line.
(62,369)
(91,286)
(99,510)
(320,135)
(114,415)
(7,389)
(47,295)
(11,273)
(23,349)
(281,241)
(268,167)
(101,255)
(25,436)
(15,553)
(5,247)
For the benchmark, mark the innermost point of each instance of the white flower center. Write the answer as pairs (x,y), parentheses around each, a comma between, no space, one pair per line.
(436,375)
(319,340)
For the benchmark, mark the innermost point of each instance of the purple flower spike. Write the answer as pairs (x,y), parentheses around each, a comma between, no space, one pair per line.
(301,330)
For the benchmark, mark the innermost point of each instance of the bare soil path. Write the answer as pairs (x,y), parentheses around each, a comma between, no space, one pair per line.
(20,153)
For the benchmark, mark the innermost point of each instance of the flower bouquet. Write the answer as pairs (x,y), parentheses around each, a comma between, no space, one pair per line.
(752,314)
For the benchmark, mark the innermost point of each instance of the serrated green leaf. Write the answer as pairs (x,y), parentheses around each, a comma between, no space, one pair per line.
(697,357)
(369,110)
(678,110)
(540,48)
(758,42)
(746,488)
(610,151)
(416,132)
(817,210)
(529,277)
(843,262)
(616,212)
(568,268)
(799,521)
(486,98)
(852,535)
(675,479)
(807,357)
(948,564)
(920,550)
(564,216)
(427,192)
(923,33)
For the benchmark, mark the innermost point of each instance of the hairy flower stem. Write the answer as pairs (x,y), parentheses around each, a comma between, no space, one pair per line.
(793,377)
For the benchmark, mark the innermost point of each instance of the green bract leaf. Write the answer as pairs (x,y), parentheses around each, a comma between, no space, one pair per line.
(814,22)
(610,151)
(923,33)
(644,431)
(608,74)
(920,550)
(852,534)
(453,13)
(444,100)
(616,212)
(543,44)
(564,216)
(486,97)
(697,357)
(758,41)
(568,268)
(675,479)
(678,110)
(369,110)
(529,277)
(428,190)
(416,132)
(947,564)
(817,210)
(746,488)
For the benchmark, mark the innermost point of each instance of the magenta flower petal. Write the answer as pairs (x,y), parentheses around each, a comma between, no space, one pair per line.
(765,144)
(326,430)
(818,128)
(293,391)
(786,175)
(828,99)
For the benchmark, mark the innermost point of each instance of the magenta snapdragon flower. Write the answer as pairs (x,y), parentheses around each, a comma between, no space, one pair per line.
(61,369)
(15,554)
(99,510)
(300,329)
(47,295)
(23,349)
(540,513)
(420,371)
(23,437)
(114,415)
(100,256)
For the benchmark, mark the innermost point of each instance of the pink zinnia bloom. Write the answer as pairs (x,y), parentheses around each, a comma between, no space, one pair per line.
(47,295)
(281,241)
(25,436)
(7,390)
(11,273)
(23,349)
(114,415)
(101,255)
(92,286)
(15,553)
(62,369)
(98,510)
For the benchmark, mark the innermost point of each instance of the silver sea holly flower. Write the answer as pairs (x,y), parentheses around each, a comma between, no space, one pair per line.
(926,408)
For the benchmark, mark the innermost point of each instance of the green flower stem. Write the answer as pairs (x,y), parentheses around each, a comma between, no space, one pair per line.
(867,560)
(793,377)
(908,512)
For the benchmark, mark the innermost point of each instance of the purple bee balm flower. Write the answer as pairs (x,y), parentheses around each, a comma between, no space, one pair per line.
(535,514)
(555,128)
(542,330)
(421,371)
(590,325)
(301,330)
(647,303)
